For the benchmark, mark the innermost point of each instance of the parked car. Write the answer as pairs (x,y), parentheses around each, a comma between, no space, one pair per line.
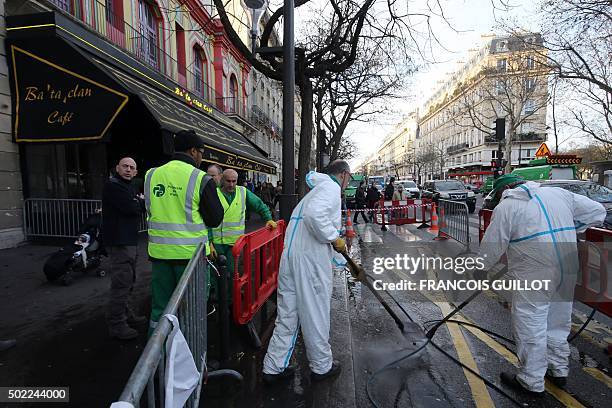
(410,187)
(594,191)
(449,190)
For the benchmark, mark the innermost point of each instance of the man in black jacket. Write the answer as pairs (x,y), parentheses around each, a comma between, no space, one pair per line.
(121,211)
(390,189)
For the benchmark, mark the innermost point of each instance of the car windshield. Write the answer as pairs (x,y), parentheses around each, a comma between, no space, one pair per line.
(449,185)
(409,184)
(594,191)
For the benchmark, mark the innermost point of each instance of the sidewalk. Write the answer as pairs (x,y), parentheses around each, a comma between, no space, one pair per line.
(61,333)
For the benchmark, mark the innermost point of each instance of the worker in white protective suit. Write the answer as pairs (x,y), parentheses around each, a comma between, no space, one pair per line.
(536,227)
(305,277)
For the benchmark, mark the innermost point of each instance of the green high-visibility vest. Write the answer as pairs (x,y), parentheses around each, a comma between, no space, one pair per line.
(172,199)
(232,226)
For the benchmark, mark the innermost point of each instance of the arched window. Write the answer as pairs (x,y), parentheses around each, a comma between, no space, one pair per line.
(233,95)
(200,73)
(148,47)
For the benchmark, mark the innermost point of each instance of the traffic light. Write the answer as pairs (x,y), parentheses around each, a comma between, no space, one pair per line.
(500,129)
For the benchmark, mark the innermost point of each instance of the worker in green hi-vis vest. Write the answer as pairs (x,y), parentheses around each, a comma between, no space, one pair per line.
(182,203)
(235,201)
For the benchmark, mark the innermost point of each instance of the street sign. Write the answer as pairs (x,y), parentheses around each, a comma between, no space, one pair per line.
(543,151)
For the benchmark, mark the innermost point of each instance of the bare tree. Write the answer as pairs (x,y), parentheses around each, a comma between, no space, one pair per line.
(577,50)
(358,94)
(344,24)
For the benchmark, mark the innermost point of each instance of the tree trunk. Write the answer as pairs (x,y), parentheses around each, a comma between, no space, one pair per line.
(305,86)
(320,139)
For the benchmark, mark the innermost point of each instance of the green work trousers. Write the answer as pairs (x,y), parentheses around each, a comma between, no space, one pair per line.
(165,277)
(225,250)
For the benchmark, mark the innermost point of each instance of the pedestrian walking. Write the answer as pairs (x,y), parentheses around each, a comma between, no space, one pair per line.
(399,193)
(372,198)
(360,204)
(182,202)
(122,209)
(390,189)
(536,227)
(236,201)
(305,277)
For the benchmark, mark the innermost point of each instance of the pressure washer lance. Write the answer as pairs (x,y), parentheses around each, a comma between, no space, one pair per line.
(408,328)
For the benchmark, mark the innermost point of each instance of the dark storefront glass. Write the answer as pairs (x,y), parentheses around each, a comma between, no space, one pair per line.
(65,170)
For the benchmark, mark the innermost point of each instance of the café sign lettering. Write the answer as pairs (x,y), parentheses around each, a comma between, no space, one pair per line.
(57,103)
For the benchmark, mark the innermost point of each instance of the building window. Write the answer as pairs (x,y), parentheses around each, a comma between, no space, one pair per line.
(530,107)
(200,73)
(233,95)
(494,154)
(502,46)
(180,55)
(500,87)
(501,65)
(530,84)
(147,39)
(530,62)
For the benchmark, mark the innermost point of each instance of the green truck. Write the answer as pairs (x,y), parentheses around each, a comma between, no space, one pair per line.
(349,192)
(549,168)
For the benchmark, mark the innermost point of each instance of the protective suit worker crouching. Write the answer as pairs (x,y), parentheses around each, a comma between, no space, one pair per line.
(236,200)
(537,226)
(305,277)
(181,203)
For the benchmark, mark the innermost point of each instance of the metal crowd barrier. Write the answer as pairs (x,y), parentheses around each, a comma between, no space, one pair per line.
(454,221)
(60,218)
(189,304)
(594,275)
(256,264)
(401,212)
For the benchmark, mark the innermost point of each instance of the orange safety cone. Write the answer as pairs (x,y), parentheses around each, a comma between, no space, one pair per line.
(350,232)
(434,220)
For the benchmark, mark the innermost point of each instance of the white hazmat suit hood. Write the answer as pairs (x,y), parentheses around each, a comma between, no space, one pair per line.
(305,278)
(536,227)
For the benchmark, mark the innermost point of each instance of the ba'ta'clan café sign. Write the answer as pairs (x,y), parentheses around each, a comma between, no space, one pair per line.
(218,156)
(54,103)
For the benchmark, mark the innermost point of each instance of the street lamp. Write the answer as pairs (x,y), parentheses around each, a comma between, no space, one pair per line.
(288,198)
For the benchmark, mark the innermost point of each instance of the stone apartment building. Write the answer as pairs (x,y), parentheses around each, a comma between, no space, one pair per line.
(502,79)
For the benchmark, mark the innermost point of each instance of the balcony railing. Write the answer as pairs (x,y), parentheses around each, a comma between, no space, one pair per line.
(523,137)
(143,44)
(457,148)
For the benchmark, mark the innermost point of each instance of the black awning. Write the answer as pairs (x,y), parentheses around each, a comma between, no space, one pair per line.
(224,145)
(55,97)
(65,88)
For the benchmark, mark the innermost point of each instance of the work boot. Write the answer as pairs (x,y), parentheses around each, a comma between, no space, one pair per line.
(510,380)
(123,332)
(560,382)
(335,369)
(135,320)
(274,378)
(7,344)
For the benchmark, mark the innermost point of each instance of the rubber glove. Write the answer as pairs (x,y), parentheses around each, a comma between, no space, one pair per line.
(213,251)
(271,225)
(339,245)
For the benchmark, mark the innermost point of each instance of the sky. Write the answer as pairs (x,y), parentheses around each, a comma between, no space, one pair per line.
(467,21)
